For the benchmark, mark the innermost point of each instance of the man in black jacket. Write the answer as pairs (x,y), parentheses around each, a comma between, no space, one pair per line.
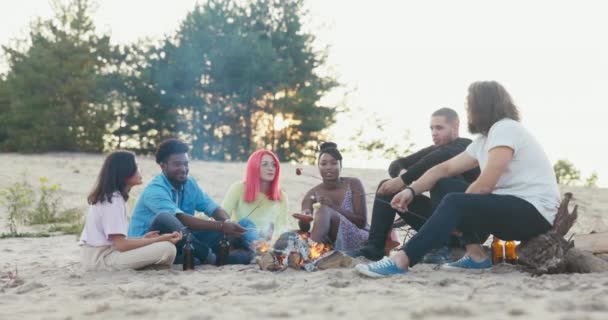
(447,144)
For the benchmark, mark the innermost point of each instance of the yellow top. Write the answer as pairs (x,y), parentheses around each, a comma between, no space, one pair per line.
(267,211)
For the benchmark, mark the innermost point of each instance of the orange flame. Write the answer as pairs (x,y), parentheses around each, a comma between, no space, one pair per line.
(262,246)
(318,249)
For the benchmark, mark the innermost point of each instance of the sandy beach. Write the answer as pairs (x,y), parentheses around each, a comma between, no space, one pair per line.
(51,284)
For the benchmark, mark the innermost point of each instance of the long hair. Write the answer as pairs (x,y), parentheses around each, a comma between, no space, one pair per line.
(117,168)
(487,103)
(252,177)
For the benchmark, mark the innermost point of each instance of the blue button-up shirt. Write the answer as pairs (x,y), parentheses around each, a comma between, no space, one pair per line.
(160,196)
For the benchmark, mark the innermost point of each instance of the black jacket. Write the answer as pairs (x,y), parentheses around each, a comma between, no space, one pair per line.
(418,163)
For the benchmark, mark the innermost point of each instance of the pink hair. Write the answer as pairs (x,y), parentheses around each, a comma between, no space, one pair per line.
(252,177)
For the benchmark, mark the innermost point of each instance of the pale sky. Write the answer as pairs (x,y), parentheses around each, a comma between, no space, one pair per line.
(403,59)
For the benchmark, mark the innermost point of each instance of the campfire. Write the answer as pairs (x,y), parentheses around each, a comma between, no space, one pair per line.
(296,250)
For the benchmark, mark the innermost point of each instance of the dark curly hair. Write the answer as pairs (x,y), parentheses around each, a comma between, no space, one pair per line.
(487,103)
(330,148)
(169,147)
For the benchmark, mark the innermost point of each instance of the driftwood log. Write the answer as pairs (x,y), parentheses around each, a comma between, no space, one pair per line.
(334,260)
(596,242)
(552,253)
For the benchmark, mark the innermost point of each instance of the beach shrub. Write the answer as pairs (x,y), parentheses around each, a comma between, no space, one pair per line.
(17,199)
(69,221)
(47,206)
(565,172)
(568,175)
(41,206)
(591,182)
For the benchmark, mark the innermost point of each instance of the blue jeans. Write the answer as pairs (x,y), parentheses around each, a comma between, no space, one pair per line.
(202,241)
(476,216)
(383,214)
(247,239)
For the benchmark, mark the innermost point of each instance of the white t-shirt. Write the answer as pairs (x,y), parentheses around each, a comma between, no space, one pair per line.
(529,175)
(104,219)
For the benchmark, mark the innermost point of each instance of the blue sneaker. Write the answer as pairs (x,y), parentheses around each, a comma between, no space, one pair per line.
(383,268)
(438,256)
(466,262)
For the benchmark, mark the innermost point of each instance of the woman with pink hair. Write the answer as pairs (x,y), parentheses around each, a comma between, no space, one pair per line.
(258,203)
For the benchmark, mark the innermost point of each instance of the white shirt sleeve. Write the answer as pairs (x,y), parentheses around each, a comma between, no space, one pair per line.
(114,218)
(473,149)
(505,133)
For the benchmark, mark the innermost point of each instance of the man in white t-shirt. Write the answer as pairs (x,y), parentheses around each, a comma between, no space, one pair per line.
(515,197)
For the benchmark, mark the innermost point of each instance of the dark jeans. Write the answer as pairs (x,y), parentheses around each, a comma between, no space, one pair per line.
(202,241)
(419,211)
(477,216)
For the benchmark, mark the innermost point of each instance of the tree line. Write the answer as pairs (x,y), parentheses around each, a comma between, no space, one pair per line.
(235,76)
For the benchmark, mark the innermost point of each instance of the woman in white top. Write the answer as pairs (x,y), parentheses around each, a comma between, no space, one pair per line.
(515,197)
(104,242)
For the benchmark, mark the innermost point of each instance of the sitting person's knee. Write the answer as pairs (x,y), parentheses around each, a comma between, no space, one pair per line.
(164,221)
(163,216)
(454,199)
(325,213)
(381,183)
(442,184)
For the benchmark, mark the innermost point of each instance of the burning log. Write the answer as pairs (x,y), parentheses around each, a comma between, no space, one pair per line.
(298,251)
(269,262)
(295,260)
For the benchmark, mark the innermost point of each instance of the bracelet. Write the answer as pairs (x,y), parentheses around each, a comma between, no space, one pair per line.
(221,226)
(411,190)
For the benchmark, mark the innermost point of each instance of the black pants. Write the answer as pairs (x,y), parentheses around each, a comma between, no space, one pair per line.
(477,216)
(419,211)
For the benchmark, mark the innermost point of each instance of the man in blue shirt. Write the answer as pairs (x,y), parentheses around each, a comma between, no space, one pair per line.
(169,201)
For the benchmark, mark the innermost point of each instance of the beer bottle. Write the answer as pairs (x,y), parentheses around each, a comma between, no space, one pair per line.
(497,252)
(223,251)
(510,255)
(188,253)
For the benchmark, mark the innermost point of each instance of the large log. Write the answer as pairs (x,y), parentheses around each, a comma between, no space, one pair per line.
(594,242)
(551,253)
(580,261)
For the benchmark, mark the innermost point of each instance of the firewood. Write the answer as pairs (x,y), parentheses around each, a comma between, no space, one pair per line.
(551,253)
(268,262)
(334,260)
(295,260)
(544,253)
(564,220)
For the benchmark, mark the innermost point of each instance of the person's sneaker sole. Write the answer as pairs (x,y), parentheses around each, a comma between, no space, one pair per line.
(364,270)
(467,270)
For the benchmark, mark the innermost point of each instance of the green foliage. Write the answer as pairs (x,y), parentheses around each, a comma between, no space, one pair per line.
(56,93)
(17,199)
(234,78)
(25,235)
(20,197)
(47,207)
(69,221)
(591,181)
(375,144)
(566,173)
(74,228)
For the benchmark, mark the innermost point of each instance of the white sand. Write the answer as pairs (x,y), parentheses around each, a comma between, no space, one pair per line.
(51,285)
